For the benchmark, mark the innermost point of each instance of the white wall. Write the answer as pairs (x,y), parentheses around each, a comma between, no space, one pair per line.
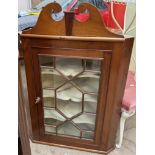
(131,9)
(23,5)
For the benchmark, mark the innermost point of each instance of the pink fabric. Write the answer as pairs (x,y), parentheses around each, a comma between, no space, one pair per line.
(129,99)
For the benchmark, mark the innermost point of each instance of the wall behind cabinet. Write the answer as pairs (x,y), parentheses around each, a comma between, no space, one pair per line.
(24,4)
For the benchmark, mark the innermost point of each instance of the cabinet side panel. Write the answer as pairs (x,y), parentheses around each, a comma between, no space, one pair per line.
(21,65)
(30,86)
(103,92)
(119,69)
(22,126)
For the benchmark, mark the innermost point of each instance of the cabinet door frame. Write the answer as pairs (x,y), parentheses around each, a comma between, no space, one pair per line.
(104,55)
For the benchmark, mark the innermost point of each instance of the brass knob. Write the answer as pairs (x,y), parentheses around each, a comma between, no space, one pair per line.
(37,100)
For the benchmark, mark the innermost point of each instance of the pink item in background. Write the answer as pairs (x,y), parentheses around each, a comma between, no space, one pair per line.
(119,9)
(128,104)
(129,99)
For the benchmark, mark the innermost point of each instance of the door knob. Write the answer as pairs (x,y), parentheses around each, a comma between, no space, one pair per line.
(37,100)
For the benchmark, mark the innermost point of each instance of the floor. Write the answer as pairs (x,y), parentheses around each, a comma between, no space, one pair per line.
(128,147)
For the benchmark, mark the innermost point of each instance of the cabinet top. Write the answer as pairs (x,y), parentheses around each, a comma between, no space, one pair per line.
(69,28)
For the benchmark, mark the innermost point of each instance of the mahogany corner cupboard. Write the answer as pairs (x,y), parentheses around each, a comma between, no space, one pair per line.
(76,74)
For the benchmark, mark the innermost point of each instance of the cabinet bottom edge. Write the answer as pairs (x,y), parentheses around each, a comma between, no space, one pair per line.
(73,147)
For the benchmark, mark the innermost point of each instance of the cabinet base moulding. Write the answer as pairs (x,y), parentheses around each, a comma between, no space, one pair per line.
(73,147)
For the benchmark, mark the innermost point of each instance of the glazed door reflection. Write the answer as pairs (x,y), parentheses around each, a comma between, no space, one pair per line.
(69,95)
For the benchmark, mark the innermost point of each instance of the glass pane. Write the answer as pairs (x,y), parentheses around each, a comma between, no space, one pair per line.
(89,74)
(66,96)
(93,65)
(69,108)
(48,93)
(46,61)
(52,121)
(88,135)
(88,82)
(50,129)
(86,121)
(52,117)
(68,129)
(90,103)
(51,78)
(48,98)
(49,102)
(69,66)
(69,92)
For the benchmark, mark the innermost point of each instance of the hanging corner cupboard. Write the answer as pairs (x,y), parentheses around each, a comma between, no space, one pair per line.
(76,74)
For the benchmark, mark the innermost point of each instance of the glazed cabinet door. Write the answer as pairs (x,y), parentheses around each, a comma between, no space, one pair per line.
(71,92)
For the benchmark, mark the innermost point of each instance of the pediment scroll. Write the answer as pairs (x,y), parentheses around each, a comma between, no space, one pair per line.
(69,25)
(94,26)
(46,25)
